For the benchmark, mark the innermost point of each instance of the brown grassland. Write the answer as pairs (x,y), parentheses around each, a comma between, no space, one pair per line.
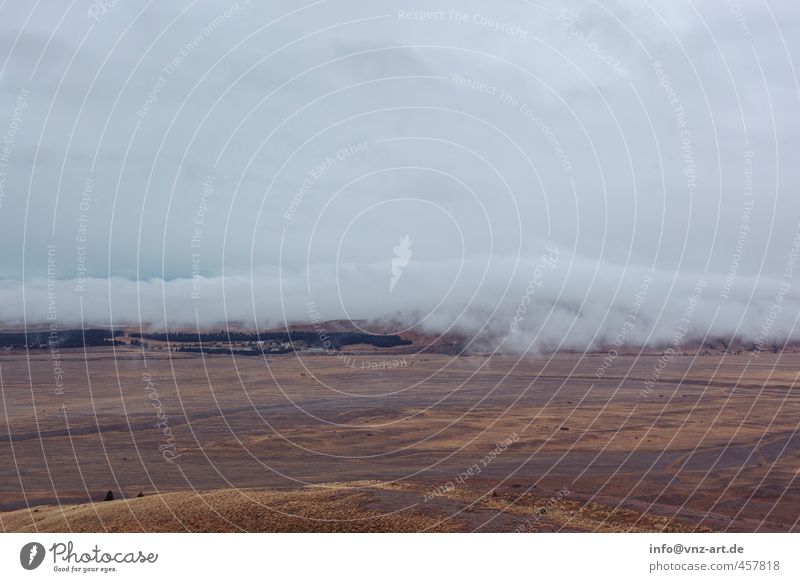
(307,443)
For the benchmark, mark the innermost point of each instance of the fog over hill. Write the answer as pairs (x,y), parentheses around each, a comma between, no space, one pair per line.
(559,177)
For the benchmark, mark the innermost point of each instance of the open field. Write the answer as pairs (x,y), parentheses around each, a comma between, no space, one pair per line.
(715,444)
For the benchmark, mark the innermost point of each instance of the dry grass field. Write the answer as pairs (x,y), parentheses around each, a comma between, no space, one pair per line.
(320,443)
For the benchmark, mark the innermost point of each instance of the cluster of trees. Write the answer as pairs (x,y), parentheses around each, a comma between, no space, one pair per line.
(65,338)
(309,338)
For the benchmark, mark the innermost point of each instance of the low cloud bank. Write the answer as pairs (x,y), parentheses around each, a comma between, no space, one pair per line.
(553,301)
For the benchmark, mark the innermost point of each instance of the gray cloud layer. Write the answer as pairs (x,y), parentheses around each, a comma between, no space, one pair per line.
(212,161)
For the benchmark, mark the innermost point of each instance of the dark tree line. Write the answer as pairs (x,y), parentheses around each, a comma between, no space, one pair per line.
(312,339)
(65,338)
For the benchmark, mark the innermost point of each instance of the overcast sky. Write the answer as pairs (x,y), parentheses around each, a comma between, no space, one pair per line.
(240,160)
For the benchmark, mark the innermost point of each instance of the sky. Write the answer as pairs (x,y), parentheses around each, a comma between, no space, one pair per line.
(554,174)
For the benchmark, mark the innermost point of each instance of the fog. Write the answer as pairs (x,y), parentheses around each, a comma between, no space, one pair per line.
(533,175)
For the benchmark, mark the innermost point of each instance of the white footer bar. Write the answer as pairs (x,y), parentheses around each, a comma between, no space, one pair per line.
(401,557)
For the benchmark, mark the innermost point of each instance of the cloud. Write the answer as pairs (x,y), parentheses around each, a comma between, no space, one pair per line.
(558,301)
(274,155)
